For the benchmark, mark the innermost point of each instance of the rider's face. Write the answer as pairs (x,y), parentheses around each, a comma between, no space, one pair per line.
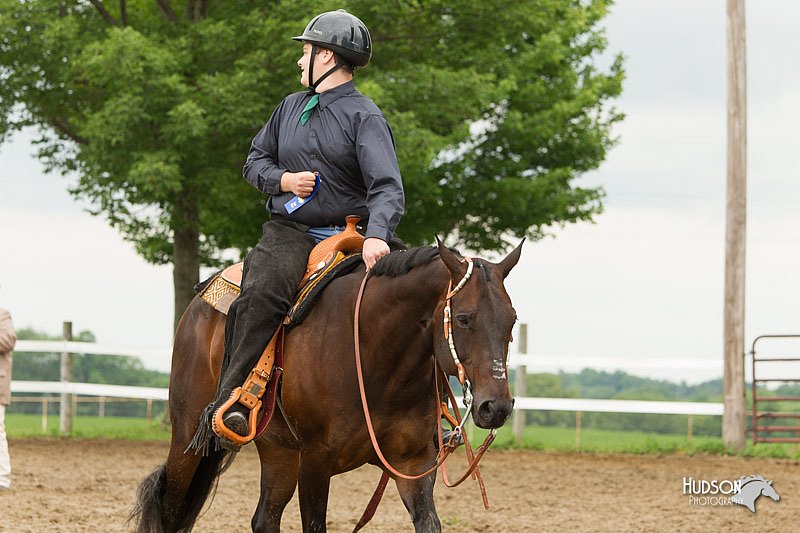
(303,64)
(320,67)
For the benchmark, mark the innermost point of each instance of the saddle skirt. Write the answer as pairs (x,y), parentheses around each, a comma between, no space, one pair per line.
(221,289)
(333,257)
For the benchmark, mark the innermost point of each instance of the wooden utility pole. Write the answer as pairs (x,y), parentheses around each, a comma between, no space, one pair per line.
(733,421)
(66,376)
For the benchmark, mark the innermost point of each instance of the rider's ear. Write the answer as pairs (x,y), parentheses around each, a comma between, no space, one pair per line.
(511,260)
(453,263)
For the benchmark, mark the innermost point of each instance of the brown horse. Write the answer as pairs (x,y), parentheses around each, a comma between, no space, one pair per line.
(321,430)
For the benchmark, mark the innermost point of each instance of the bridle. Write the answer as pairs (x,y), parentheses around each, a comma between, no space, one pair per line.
(445,449)
(466,385)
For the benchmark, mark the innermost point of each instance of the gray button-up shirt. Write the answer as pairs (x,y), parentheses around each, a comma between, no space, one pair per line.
(348,141)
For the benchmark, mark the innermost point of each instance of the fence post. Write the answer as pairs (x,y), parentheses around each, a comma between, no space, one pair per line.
(689,430)
(66,377)
(101,406)
(149,410)
(577,429)
(519,386)
(44,414)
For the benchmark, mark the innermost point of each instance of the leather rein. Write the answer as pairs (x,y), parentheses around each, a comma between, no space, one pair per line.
(445,449)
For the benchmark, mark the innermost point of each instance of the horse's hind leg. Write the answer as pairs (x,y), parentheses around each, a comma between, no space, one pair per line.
(180,469)
(172,496)
(417,496)
(278,482)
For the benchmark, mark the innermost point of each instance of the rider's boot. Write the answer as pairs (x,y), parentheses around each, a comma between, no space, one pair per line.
(446,435)
(236,419)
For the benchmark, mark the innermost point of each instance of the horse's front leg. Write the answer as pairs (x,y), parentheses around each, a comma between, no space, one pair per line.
(313,487)
(278,482)
(417,495)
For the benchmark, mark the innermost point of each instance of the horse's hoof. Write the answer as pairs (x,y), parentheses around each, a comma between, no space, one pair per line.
(237,422)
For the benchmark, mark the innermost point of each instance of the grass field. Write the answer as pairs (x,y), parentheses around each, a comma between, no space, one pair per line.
(536,437)
(111,427)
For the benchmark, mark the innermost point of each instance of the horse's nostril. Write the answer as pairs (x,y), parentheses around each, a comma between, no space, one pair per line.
(486,410)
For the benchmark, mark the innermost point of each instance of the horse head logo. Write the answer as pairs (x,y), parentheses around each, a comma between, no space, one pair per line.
(752,488)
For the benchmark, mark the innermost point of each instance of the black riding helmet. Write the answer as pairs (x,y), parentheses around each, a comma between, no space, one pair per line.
(342,33)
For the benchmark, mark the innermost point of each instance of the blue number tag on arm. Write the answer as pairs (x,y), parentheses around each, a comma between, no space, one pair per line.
(296,203)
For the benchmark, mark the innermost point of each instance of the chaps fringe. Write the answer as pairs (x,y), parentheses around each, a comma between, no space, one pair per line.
(203,436)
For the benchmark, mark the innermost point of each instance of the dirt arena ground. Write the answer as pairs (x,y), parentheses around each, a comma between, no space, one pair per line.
(72,485)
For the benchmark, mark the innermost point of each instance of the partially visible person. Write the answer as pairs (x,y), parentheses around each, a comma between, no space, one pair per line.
(8,338)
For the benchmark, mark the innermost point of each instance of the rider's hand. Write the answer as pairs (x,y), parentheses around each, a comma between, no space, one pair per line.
(374,249)
(300,183)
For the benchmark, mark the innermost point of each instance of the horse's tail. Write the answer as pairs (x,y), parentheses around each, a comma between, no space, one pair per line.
(149,510)
(150,514)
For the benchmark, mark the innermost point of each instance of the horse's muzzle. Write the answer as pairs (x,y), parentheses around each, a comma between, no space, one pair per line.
(492,414)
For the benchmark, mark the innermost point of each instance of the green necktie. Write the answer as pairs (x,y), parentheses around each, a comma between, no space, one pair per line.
(306,114)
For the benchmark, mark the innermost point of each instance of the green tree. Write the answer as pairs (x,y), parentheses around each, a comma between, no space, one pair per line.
(496,107)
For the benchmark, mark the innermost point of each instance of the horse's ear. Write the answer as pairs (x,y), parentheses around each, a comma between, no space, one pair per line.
(511,260)
(453,263)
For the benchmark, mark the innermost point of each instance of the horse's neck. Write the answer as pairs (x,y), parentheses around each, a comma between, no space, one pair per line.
(423,291)
(407,342)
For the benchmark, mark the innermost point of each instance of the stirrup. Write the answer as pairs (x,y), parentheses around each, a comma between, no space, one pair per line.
(448,435)
(224,432)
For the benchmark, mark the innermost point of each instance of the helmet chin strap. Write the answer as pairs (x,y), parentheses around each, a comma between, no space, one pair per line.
(312,85)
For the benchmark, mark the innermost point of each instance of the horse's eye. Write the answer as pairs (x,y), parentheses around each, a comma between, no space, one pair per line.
(463,321)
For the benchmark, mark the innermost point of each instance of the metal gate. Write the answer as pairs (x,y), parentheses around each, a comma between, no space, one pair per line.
(764,421)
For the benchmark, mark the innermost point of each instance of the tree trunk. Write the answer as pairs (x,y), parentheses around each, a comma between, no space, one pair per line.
(186,252)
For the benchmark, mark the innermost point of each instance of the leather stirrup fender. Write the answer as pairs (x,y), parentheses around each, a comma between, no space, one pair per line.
(256,383)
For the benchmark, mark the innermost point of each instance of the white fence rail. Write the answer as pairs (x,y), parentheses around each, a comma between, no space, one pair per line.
(521,361)
(89,389)
(618,406)
(525,404)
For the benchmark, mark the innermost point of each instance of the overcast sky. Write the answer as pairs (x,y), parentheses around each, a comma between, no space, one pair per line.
(644,282)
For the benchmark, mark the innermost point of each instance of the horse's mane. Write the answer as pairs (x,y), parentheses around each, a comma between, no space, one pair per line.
(401,262)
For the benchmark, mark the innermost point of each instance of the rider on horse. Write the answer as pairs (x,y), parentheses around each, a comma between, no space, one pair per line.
(325,153)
